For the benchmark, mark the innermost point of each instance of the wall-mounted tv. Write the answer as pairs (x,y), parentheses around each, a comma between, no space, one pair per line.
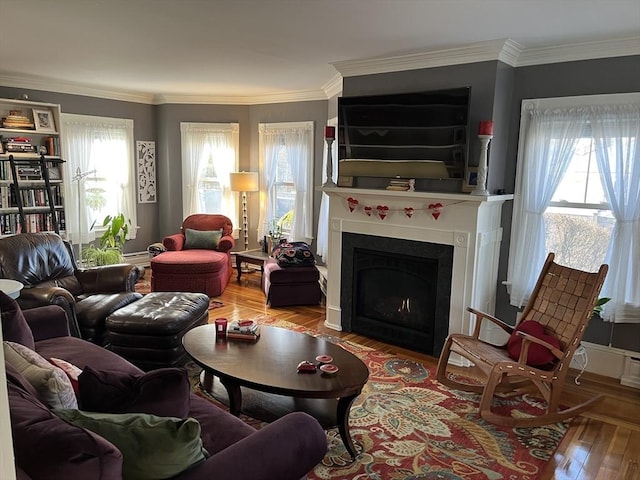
(421,134)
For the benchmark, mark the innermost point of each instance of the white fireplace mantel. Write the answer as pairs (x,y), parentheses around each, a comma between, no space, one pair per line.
(470,223)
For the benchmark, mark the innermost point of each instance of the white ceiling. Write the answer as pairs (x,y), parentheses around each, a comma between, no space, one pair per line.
(251,49)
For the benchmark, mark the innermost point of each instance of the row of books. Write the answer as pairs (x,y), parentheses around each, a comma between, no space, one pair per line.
(34,222)
(28,173)
(36,197)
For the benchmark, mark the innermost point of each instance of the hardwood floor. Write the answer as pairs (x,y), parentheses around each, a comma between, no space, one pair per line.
(604,443)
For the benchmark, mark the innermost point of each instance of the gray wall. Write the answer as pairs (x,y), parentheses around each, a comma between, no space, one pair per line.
(169,170)
(497,91)
(144,128)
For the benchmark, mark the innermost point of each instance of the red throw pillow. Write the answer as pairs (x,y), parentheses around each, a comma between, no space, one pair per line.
(537,354)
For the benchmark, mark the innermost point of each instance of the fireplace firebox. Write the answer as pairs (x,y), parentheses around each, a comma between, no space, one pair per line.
(397,290)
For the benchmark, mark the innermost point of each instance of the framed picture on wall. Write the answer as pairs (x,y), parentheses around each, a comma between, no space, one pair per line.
(43,120)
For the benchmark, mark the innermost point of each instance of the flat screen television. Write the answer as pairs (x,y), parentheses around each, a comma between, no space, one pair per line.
(424,135)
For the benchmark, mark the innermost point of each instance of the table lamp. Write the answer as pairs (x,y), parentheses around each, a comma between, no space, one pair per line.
(244,182)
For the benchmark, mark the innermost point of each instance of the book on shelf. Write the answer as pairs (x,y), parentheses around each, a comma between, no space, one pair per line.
(401,184)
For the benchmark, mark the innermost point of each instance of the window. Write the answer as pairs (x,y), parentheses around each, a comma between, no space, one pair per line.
(209,155)
(577,195)
(100,173)
(578,219)
(286,165)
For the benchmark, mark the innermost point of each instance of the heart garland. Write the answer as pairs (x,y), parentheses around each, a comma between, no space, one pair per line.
(383,210)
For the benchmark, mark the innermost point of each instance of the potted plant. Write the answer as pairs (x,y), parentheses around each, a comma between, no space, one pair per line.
(111,242)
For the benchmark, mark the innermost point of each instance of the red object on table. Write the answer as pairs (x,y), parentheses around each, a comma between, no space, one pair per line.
(485,128)
(329,132)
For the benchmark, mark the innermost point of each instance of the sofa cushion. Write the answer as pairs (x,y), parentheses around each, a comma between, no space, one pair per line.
(537,355)
(164,392)
(293,254)
(14,325)
(52,383)
(201,239)
(152,447)
(48,448)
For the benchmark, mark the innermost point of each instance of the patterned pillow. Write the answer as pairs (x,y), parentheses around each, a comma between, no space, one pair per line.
(293,254)
(51,383)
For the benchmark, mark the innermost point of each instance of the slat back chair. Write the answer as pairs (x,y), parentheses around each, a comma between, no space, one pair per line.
(562,302)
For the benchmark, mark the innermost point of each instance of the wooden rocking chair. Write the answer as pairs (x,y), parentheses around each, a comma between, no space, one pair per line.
(562,302)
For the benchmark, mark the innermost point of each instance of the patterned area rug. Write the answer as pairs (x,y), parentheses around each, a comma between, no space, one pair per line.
(144,286)
(408,426)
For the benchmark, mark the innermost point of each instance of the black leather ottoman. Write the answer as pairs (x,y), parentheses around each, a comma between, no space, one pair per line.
(149,332)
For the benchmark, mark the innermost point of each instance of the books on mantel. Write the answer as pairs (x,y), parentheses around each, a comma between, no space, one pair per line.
(402,184)
(243,330)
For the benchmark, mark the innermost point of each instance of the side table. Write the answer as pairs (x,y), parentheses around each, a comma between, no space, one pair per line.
(254,257)
(11,287)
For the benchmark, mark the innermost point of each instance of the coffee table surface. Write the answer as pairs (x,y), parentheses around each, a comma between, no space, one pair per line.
(269,364)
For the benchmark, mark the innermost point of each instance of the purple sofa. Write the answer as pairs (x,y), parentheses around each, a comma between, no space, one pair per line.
(47,447)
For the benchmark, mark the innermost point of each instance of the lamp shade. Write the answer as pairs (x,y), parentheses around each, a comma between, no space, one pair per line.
(244,181)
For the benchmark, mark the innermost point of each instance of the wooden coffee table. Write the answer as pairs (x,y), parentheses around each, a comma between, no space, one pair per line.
(271,385)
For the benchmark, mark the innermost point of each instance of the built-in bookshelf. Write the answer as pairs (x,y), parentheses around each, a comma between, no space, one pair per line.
(31,173)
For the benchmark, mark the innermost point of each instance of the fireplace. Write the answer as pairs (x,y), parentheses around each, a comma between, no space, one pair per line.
(456,235)
(396,290)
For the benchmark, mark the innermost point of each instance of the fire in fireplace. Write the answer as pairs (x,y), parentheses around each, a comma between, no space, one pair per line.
(396,290)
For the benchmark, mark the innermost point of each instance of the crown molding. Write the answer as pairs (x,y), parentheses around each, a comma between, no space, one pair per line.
(333,87)
(617,47)
(48,85)
(505,50)
(298,96)
(477,52)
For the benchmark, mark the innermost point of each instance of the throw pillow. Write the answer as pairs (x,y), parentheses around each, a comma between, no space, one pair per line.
(203,239)
(51,383)
(537,355)
(165,392)
(49,448)
(152,447)
(14,326)
(293,254)
(70,369)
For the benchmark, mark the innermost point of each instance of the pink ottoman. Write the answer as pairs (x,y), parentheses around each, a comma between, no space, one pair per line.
(290,285)
(201,271)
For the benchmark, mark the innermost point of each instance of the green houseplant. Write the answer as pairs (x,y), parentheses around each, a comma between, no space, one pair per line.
(111,242)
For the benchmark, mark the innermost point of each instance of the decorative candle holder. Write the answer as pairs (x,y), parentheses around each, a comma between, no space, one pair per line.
(329,182)
(481,186)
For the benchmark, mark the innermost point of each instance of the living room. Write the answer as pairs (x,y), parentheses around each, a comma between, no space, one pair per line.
(500,75)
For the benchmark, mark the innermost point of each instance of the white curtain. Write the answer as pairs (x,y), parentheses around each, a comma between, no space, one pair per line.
(546,149)
(202,143)
(297,140)
(616,130)
(104,145)
(322,240)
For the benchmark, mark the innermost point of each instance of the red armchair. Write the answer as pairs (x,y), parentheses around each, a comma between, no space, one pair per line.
(192,263)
